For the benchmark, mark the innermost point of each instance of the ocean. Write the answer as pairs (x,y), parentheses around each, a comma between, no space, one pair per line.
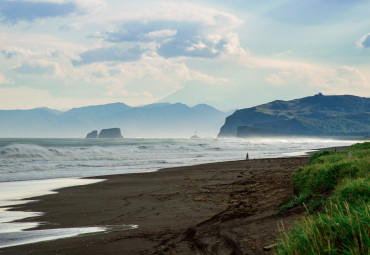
(38,159)
(33,167)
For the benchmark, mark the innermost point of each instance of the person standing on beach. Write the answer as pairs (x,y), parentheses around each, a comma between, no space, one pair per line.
(247,157)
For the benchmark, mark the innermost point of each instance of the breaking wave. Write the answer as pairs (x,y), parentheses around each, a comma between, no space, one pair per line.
(28,151)
(27,159)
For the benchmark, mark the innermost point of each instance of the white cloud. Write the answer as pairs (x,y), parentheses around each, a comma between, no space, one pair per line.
(138,82)
(181,11)
(364,41)
(14,51)
(162,33)
(283,53)
(346,80)
(27,98)
(179,43)
(165,75)
(21,53)
(30,46)
(340,80)
(232,46)
(178,29)
(197,46)
(5,80)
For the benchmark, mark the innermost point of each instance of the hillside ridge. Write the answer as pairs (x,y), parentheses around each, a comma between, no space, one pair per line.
(315,115)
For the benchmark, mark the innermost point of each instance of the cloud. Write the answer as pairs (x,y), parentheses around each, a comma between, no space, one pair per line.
(177,30)
(312,12)
(11,52)
(347,79)
(70,26)
(191,42)
(176,11)
(172,72)
(23,47)
(4,80)
(28,98)
(162,33)
(152,74)
(340,80)
(98,75)
(13,12)
(283,53)
(364,42)
(37,68)
(114,53)
(137,31)
(174,39)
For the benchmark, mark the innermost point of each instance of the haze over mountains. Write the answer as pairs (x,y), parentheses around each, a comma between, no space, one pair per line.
(155,120)
(317,115)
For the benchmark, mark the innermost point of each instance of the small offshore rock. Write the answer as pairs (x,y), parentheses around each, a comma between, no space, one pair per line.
(92,134)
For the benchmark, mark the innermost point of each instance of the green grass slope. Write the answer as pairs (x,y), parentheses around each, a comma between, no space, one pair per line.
(335,188)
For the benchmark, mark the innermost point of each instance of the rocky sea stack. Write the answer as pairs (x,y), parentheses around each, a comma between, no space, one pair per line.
(110,133)
(92,134)
(105,133)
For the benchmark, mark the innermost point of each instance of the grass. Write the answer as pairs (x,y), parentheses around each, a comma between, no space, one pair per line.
(339,229)
(336,188)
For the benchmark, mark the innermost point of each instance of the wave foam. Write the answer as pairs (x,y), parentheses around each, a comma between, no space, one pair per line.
(47,158)
(28,151)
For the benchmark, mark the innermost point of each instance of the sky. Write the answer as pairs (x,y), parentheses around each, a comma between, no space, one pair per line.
(229,54)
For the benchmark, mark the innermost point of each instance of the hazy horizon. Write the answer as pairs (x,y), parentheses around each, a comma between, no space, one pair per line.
(158,120)
(227,110)
(133,106)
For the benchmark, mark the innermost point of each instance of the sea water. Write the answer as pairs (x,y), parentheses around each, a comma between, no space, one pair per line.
(37,159)
(34,167)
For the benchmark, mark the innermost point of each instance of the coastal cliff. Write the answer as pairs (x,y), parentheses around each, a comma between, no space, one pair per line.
(317,115)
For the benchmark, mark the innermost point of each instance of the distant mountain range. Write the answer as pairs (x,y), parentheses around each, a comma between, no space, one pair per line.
(155,120)
(317,115)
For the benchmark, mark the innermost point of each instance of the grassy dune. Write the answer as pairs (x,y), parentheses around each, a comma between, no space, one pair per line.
(335,189)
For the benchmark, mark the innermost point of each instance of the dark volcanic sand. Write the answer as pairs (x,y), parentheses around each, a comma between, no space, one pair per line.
(219,208)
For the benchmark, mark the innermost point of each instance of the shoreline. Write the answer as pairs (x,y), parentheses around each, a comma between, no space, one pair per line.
(183,209)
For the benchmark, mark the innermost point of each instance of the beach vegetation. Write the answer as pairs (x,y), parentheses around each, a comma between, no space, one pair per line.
(338,229)
(335,190)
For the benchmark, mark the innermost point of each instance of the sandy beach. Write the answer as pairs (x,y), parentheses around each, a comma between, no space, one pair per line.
(218,208)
